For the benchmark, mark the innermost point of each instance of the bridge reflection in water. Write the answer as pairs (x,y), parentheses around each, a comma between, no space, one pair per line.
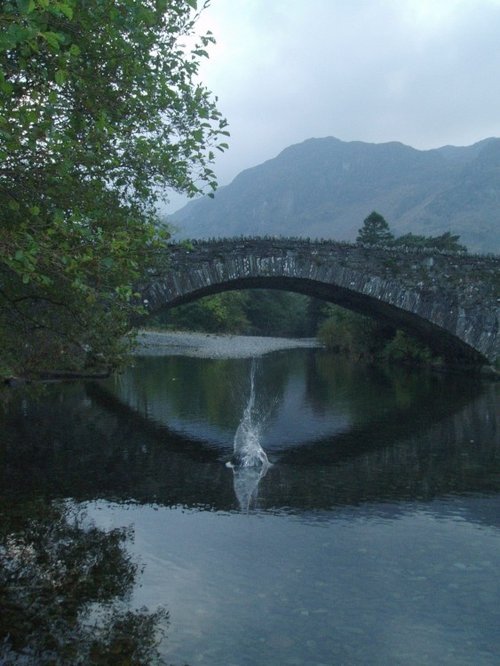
(140,439)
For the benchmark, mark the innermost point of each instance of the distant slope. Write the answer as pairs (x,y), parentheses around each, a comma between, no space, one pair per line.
(326,187)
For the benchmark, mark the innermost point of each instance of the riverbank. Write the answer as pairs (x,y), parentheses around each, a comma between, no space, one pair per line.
(210,345)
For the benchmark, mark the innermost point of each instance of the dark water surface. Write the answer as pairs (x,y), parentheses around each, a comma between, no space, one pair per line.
(374,537)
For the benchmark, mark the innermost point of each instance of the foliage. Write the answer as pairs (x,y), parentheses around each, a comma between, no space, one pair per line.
(375,231)
(353,334)
(446,242)
(317,311)
(280,313)
(273,312)
(222,313)
(363,338)
(253,312)
(405,349)
(61,586)
(100,110)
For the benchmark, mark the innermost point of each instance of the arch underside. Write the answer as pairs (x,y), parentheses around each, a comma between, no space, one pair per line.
(442,341)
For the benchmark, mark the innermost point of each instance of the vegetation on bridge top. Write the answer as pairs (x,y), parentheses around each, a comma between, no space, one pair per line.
(281,241)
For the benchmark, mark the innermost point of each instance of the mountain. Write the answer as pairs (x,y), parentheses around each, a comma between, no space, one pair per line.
(324,188)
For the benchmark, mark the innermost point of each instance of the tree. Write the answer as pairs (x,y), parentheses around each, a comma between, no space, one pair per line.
(221,313)
(100,112)
(276,312)
(62,585)
(252,311)
(353,334)
(375,231)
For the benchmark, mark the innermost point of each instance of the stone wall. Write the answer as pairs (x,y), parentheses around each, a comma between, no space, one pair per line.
(450,300)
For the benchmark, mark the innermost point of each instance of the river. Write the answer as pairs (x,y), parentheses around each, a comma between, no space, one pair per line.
(372,537)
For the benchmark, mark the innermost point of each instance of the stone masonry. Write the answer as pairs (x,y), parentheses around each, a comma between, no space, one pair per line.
(451,301)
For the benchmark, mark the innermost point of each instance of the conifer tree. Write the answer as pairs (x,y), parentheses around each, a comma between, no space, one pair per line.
(375,231)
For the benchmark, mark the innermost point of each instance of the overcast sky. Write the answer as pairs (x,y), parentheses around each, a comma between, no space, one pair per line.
(423,72)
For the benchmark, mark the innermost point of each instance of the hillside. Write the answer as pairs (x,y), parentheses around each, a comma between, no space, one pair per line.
(324,188)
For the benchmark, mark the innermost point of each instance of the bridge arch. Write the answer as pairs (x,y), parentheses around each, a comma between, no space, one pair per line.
(451,302)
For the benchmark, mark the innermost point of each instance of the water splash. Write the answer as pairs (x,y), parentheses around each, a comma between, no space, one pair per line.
(246,484)
(249,461)
(247,451)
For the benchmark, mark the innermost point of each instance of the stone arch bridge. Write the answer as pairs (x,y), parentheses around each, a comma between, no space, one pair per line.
(451,301)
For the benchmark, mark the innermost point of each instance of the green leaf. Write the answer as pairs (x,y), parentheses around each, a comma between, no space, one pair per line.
(66,9)
(26,6)
(61,76)
(5,86)
(14,35)
(53,39)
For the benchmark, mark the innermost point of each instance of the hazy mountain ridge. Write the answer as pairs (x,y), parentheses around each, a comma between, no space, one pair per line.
(326,187)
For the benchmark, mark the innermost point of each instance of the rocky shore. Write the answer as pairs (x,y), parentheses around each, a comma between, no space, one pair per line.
(208,345)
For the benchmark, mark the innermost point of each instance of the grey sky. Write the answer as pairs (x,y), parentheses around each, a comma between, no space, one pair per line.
(423,72)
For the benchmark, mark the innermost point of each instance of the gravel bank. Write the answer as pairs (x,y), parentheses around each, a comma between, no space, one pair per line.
(207,345)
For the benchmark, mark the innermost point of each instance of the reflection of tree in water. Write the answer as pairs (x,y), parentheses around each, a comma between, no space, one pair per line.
(63,587)
(209,386)
(368,391)
(214,388)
